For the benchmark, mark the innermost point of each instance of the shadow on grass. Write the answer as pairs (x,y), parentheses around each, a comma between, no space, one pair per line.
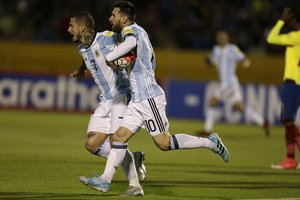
(223,184)
(50,196)
(230,170)
(57,196)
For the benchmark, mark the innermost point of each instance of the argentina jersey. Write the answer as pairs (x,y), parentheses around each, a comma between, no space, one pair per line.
(142,77)
(226,58)
(109,83)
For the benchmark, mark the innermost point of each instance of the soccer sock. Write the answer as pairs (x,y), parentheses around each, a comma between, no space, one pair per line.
(210,118)
(128,166)
(115,157)
(103,150)
(254,116)
(290,136)
(184,141)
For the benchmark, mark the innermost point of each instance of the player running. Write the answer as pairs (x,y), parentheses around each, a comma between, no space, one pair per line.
(225,56)
(148,103)
(114,92)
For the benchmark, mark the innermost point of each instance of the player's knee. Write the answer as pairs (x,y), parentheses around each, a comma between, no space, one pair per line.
(213,102)
(93,141)
(239,107)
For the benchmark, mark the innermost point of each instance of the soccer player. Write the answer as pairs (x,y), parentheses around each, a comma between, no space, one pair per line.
(114,91)
(148,103)
(225,56)
(291,86)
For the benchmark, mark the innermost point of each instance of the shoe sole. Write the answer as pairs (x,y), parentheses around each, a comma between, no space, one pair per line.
(136,193)
(280,167)
(104,190)
(131,195)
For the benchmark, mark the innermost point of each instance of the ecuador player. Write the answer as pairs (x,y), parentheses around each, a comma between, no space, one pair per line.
(291,87)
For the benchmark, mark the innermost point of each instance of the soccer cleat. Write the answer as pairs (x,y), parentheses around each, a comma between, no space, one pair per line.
(288,163)
(96,182)
(139,158)
(218,147)
(134,191)
(203,133)
(266,128)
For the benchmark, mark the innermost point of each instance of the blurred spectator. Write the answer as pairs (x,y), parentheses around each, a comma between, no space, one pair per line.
(188,24)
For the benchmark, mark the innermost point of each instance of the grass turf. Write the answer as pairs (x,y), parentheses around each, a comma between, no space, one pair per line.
(42,155)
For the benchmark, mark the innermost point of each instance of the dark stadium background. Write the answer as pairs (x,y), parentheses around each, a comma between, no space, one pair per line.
(176,24)
(34,41)
(42,149)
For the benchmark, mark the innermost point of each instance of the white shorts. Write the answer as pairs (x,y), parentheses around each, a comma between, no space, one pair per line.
(108,115)
(230,93)
(149,114)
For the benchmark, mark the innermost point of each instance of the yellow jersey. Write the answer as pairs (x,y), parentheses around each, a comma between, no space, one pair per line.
(292,53)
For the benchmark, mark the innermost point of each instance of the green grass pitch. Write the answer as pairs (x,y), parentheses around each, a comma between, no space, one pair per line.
(42,155)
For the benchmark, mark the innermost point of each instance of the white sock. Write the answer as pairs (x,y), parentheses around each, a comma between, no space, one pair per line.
(184,141)
(130,170)
(253,116)
(116,156)
(103,150)
(210,118)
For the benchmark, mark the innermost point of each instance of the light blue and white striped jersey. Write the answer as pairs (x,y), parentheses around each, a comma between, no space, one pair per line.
(226,59)
(109,82)
(142,77)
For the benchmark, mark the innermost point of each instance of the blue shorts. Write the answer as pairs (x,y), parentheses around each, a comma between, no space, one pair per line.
(290,98)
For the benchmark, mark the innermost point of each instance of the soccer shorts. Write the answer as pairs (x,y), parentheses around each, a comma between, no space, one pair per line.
(108,115)
(230,93)
(290,98)
(149,114)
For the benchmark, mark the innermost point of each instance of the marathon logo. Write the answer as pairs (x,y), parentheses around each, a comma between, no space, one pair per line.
(52,93)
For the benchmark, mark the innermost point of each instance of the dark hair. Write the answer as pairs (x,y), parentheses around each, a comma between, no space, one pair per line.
(294,5)
(85,18)
(296,10)
(127,8)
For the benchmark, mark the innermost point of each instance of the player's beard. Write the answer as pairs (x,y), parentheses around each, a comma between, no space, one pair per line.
(76,38)
(116,28)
